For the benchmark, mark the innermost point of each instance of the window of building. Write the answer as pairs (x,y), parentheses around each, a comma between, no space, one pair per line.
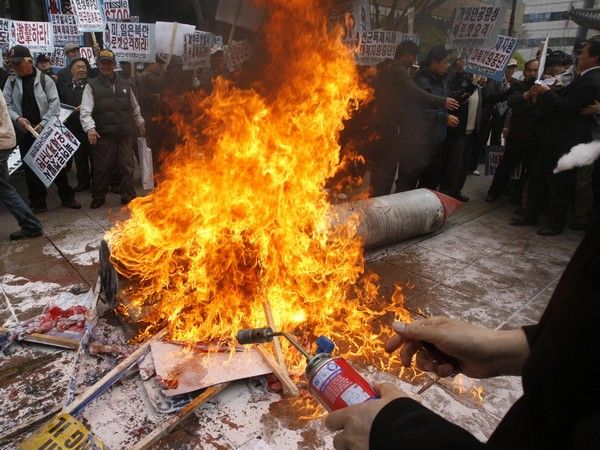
(545,17)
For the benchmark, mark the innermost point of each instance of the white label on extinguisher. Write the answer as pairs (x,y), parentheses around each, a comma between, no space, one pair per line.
(325,373)
(354,395)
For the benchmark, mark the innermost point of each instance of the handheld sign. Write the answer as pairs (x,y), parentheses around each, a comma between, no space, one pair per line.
(51,151)
(63,431)
(542,65)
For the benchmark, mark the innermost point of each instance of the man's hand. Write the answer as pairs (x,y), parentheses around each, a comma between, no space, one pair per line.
(481,352)
(452,104)
(355,422)
(452,121)
(38,128)
(142,129)
(93,136)
(539,89)
(23,123)
(505,132)
(591,109)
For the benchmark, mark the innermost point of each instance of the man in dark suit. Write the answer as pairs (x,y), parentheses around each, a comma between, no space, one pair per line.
(561,127)
(557,358)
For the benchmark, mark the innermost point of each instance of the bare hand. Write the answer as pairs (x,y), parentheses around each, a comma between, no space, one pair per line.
(452,121)
(93,136)
(142,129)
(23,123)
(38,128)
(355,421)
(481,352)
(505,132)
(539,89)
(452,104)
(591,109)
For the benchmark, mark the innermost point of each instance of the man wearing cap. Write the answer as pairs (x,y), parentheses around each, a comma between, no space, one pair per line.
(109,116)
(43,64)
(32,101)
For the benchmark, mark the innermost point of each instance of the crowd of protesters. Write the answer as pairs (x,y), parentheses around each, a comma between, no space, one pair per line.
(429,126)
(436,140)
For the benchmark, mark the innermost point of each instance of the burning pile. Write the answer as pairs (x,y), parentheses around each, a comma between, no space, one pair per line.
(241,213)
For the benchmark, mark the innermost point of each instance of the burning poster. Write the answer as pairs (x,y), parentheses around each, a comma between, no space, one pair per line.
(88,14)
(237,53)
(354,18)
(376,46)
(36,36)
(51,151)
(116,10)
(491,61)
(197,50)
(131,41)
(65,29)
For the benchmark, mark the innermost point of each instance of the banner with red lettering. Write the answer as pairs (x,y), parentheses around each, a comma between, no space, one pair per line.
(36,36)
(51,151)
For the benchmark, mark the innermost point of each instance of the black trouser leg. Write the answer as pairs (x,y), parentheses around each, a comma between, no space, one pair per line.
(536,189)
(65,191)
(511,159)
(82,163)
(431,175)
(452,169)
(562,192)
(383,161)
(35,188)
(470,147)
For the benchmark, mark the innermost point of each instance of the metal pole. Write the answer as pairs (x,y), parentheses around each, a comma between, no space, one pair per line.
(513,11)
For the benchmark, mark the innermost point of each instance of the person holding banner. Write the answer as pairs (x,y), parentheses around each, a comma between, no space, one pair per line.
(30,225)
(32,101)
(109,115)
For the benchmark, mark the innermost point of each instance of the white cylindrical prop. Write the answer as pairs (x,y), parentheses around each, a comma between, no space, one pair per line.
(392,218)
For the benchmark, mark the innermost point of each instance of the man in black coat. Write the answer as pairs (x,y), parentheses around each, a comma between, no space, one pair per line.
(557,358)
(561,127)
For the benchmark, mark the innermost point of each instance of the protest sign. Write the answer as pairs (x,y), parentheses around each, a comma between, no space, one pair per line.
(51,151)
(88,53)
(164,37)
(65,112)
(491,62)
(14,161)
(57,58)
(242,13)
(88,14)
(36,36)
(65,29)
(493,158)
(237,53)
(197,50)
(474,23)
(116,10)
(131,41)
(376,46)
(4,33)
(354,18)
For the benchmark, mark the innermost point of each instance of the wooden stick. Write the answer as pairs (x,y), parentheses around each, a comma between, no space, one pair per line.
(276,344)
(168,425)
(55,341)
(289,388)
(32,131)
(113,376)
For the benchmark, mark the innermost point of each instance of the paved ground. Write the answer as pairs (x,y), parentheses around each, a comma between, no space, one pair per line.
(477,268)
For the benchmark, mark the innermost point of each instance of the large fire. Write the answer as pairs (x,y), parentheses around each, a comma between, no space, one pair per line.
(241,213)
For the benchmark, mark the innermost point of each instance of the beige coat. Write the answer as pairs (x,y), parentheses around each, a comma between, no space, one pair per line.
(7,131)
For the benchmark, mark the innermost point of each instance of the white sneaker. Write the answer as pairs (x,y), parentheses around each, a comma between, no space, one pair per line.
(476,173)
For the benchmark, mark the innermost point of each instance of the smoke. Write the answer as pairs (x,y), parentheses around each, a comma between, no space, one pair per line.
(580,155)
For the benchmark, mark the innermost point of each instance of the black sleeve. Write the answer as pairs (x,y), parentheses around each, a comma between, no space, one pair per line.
(587,433)
(531,332)
(405,424)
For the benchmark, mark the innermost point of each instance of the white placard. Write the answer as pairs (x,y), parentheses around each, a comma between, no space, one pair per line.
(14,161)
(51,151)
(4,33)
(88,53)
(164,32)
(474,23)
(237,53)
(36,36)
(89,15)
(491,61)
(57,58)
(65,29)
(133,42)
(354,18)
(116,10)
(376,46)
(197,50)
(241,12)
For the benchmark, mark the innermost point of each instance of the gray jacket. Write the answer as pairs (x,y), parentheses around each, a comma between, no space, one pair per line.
(47,99)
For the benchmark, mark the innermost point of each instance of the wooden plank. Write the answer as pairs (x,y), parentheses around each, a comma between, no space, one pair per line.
(54,341)
(276,343)
(168,425)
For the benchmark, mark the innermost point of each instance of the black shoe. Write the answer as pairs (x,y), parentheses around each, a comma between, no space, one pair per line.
(81,187)
(39,208)
(97,203)
(549,231)
(73,204)
(522,220)
(22,234)
(489,198)
(580,226)
(462,198)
